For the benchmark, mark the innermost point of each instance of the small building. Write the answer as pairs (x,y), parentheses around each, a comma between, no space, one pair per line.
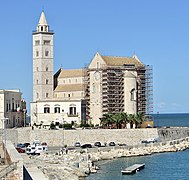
(10,109)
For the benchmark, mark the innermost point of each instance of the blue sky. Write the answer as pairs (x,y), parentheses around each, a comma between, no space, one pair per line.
(157,31)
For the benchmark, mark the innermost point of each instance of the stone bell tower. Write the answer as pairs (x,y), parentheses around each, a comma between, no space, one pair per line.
(42,61)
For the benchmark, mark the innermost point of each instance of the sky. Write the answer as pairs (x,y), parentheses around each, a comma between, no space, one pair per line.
(156,30)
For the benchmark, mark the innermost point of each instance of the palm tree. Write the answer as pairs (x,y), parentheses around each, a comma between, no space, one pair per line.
(118,120)
(124,117)
(106,119)
(131,119)
(139,118)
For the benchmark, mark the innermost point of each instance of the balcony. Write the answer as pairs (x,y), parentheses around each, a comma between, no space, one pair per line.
(72,115)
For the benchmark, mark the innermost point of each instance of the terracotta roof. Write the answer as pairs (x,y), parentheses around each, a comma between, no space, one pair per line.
(69,88)
(120,61)
(70,73)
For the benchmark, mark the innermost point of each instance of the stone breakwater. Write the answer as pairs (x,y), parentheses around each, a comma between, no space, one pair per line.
(78,164)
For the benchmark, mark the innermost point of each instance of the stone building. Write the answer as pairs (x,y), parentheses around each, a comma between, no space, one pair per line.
(11,114)
(109,84)
(56,98)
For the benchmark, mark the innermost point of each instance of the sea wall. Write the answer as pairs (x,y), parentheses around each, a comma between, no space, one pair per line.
(173,133)
(69,137)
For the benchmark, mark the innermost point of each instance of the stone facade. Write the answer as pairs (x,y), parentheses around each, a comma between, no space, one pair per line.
(10,102)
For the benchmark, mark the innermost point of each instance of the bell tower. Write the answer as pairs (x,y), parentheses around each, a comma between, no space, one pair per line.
(42,61)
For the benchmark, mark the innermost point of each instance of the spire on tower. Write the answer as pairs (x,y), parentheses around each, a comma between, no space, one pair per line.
(42,25)
(42,20)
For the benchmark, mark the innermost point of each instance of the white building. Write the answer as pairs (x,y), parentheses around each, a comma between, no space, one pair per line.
(10,103)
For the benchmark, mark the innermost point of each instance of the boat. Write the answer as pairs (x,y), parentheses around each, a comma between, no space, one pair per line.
(133,169)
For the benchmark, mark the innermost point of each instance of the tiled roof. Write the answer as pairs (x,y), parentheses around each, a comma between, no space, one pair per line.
(69,88)
(120,61)
(70,73)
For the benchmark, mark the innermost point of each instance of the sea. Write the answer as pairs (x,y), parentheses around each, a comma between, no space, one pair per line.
(164,166)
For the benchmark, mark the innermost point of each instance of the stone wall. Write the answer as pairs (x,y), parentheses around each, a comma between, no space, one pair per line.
(168,134)
(56,137)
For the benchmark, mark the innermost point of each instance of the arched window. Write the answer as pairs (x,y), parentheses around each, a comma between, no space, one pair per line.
(46,108)
(72,109)
(133,96)
(57,108)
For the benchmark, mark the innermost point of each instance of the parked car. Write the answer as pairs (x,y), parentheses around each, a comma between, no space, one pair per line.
(26,144)
(98,144)
(122,144)
(20,150)
(151,140)
(44,144)
(86,146)
(77,144)
(112,144)
(20,145)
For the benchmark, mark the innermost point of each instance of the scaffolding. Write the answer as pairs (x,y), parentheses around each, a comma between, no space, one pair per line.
(112,89)
(145,90)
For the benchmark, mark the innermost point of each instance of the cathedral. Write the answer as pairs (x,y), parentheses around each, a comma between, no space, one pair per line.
(110,84)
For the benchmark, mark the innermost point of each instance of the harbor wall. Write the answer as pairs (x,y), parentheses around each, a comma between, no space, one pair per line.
(173,133)
(69,137)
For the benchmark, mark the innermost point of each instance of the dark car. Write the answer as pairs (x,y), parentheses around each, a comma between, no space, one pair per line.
(20,150)
(20,145)
(77,144)
(26,144)
(112,144)
(98,144)
(86,146)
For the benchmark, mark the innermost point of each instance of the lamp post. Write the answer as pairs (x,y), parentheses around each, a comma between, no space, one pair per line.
(24,111)
(4,133)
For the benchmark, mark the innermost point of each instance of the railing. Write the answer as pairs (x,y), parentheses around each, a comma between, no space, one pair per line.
(4,172)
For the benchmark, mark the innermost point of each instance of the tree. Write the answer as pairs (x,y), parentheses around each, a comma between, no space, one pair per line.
(131,119)
(139,118)
(118,120)
(106,119)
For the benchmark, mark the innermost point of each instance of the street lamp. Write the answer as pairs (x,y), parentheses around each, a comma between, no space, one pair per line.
(4,133)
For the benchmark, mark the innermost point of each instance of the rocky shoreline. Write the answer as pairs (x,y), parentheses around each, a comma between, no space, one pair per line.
(78,164)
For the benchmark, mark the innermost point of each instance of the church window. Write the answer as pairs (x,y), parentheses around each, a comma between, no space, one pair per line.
(37,81)
(98,65)
(46,109)
(46,53)
(46,42)
(68,95)
(37,53)
(37,95)
(72,110)
(41,28)
(93,88)
(57,110)
(47,68)
(37,42)
(47,95)
(133,95)
(47,81)
(37,68)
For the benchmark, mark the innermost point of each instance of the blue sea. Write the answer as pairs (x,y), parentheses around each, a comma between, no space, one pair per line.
(165,166)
